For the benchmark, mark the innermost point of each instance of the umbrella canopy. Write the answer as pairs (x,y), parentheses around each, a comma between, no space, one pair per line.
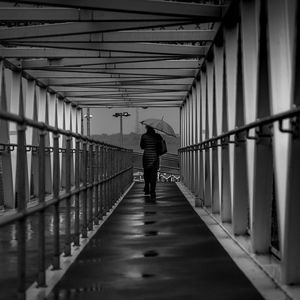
(160,125)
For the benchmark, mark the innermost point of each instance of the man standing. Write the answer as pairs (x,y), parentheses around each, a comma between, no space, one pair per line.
(150,143)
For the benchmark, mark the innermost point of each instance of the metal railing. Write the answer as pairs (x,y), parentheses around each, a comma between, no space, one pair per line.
(169,163)
(102,173)
(262,129)
(287,122)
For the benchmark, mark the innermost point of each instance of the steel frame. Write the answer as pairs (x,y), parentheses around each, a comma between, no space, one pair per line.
(250,115)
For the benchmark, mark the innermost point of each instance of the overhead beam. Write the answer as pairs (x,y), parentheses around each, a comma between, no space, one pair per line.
(149,48)
(27,52)
(74,75)
(129,96)
(118,89)
(46,14)
(146,72)
(170,64)
(130,37)
(132,105)
(113,82)
(48,30)
(74,62)
(191,10)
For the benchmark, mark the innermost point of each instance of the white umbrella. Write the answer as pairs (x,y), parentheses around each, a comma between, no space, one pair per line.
(160,125)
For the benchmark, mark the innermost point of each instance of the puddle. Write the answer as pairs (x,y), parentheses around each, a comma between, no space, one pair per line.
(148,275)
(151,233)
(147,213)
(149,222)
(150,253)
(135,274)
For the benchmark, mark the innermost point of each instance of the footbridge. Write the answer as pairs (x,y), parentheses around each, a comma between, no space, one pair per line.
(73,222)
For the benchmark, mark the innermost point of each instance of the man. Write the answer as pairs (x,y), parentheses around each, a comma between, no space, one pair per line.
(150,143)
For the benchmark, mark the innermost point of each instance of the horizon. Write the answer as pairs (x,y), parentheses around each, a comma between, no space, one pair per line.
(104,122)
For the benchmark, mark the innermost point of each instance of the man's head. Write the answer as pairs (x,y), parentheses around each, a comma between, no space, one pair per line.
(149,128)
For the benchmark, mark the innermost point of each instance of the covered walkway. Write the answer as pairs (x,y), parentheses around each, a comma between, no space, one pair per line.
(231,68)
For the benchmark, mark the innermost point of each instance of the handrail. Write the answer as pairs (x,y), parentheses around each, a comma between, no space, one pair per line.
(102,173)
(23,121)
(246,128)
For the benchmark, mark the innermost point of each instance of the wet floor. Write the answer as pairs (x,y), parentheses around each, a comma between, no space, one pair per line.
(154,250)
(9,246)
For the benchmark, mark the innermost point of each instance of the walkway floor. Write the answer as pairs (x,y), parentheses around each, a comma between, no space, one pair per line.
(154,250)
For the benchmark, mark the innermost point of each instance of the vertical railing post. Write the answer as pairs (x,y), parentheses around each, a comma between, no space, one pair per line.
(56,180)
(119,186)
(102,203)
(21,206)
(77,195)
(41,281)
(67,250)
(110,172)
(105,178)
(84,193)
(114,172)
(96,183)
(91,188)
(108,169)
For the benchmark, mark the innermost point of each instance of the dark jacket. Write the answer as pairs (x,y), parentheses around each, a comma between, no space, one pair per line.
(150,143)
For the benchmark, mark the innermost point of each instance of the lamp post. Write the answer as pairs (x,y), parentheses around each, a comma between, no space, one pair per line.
(121,115)
(88,117)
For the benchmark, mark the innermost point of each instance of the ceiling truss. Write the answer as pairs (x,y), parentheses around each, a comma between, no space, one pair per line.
(132,53)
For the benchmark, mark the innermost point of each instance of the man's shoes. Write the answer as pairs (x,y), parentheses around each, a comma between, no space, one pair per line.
(153,196)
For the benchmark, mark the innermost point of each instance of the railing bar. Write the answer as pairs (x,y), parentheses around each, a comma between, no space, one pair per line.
(21,206)
(261,122)
(91,188)
(102,203)
(8,219)
(41,281)
(67,249)
(77,195)
(97,189)
(56,180)
(8,116)
(84,193)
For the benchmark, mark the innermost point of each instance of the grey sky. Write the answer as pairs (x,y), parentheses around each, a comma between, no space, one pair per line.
(103,121)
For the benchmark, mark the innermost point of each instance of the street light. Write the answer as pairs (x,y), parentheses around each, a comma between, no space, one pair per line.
(121,115)
(88,117)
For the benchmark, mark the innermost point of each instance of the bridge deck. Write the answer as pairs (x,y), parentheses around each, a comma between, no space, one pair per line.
(154,250)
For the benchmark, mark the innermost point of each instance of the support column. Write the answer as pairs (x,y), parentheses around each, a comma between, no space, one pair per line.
(219,68)
(240,201)
(215,159)
(263,158)
(225,187)
(291,234)
(5,159)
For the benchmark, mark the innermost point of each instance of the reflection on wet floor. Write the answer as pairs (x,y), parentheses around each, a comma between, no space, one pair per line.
(148,275)
(9,246)
(155,251)
(150,253)
(151,233)
(149,222)
(147,213)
